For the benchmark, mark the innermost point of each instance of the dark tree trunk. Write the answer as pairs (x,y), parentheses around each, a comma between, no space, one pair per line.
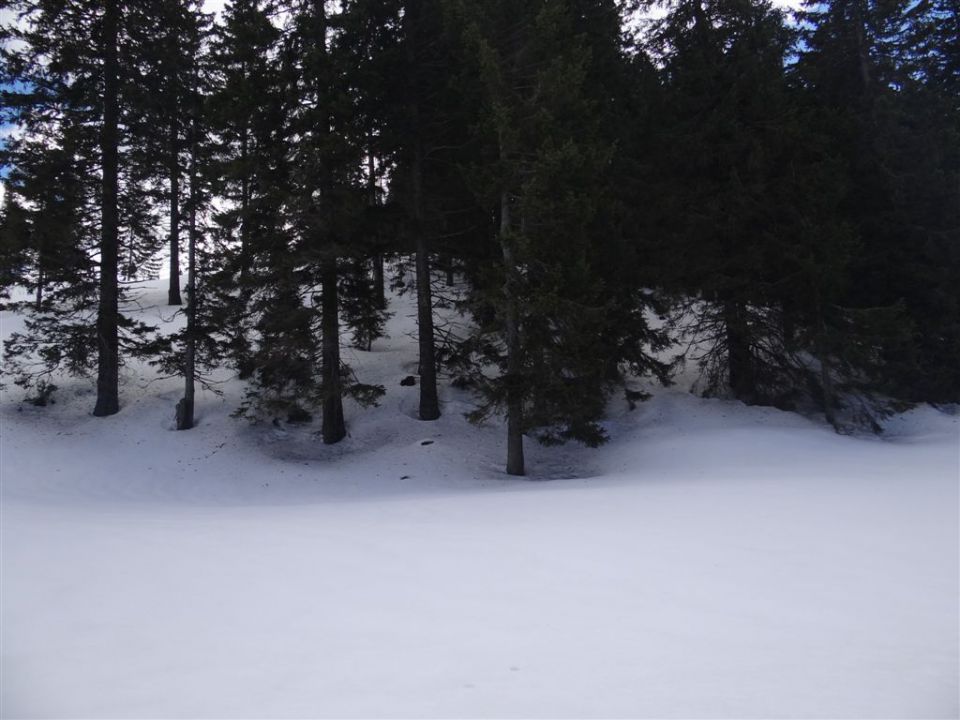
(378,287)
(185,415)
(108,345)
(173,168)
(334,428)
(40,281)
(515,461)
(244,210)
(429,401)
(739,359)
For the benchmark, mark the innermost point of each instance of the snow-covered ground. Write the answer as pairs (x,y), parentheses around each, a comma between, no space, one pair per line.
(713,561)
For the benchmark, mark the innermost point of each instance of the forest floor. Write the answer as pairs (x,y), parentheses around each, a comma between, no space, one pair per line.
(711,561)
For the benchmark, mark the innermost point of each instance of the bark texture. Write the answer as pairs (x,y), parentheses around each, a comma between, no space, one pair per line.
(108,344)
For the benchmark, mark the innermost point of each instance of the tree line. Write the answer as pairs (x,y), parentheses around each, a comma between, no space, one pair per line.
(783,189)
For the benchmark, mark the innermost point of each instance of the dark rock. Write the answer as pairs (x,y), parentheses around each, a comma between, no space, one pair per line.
(408,381)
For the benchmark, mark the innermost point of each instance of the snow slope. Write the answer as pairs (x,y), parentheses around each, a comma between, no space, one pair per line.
(712,560)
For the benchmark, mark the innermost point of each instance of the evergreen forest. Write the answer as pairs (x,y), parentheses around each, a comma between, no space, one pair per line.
(602,189)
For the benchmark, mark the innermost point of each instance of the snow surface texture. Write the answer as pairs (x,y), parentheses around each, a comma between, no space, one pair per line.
(712,561)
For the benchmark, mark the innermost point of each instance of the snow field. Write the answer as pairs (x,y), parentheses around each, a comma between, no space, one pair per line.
(712,561)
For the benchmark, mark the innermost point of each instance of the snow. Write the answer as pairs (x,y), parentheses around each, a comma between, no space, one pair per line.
(713,560)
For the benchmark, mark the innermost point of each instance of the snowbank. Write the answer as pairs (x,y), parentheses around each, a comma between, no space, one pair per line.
(713,561)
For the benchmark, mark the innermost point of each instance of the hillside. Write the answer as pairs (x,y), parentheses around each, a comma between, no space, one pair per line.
(713,560)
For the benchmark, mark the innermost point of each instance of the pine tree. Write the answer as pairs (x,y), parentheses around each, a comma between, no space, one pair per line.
(552,327)
(43,209)
(367,39)
(255,293)
(302,200)
(724,144)
(321,192)
(406,73)
(196,80)
(15,239)
(72,90)
(163,87)
(414,20)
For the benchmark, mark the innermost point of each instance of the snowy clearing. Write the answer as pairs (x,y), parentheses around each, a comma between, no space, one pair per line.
(713,560)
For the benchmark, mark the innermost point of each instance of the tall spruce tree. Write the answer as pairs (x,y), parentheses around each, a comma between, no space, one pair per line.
(724,142)
(163,83)
(420,27)
(305,197)
(259,296)
(73,69)
(321,190)
(551,331)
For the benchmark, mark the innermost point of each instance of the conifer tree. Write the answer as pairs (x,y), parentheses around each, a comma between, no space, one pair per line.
(724,145)
(300,180)
(15,234)
(40,219)
(551,332)
(407,95)
(196,79)
(73,68)
(163,86)
(321,192)
(256,292)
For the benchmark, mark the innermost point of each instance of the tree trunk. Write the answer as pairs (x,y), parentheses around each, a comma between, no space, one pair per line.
(334,428)
(826,378)
(515,461)
(244,210)
(173,168)
(40,281)
(108,345)
(739,360)
(185,417)
(378,287)
(429,401)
